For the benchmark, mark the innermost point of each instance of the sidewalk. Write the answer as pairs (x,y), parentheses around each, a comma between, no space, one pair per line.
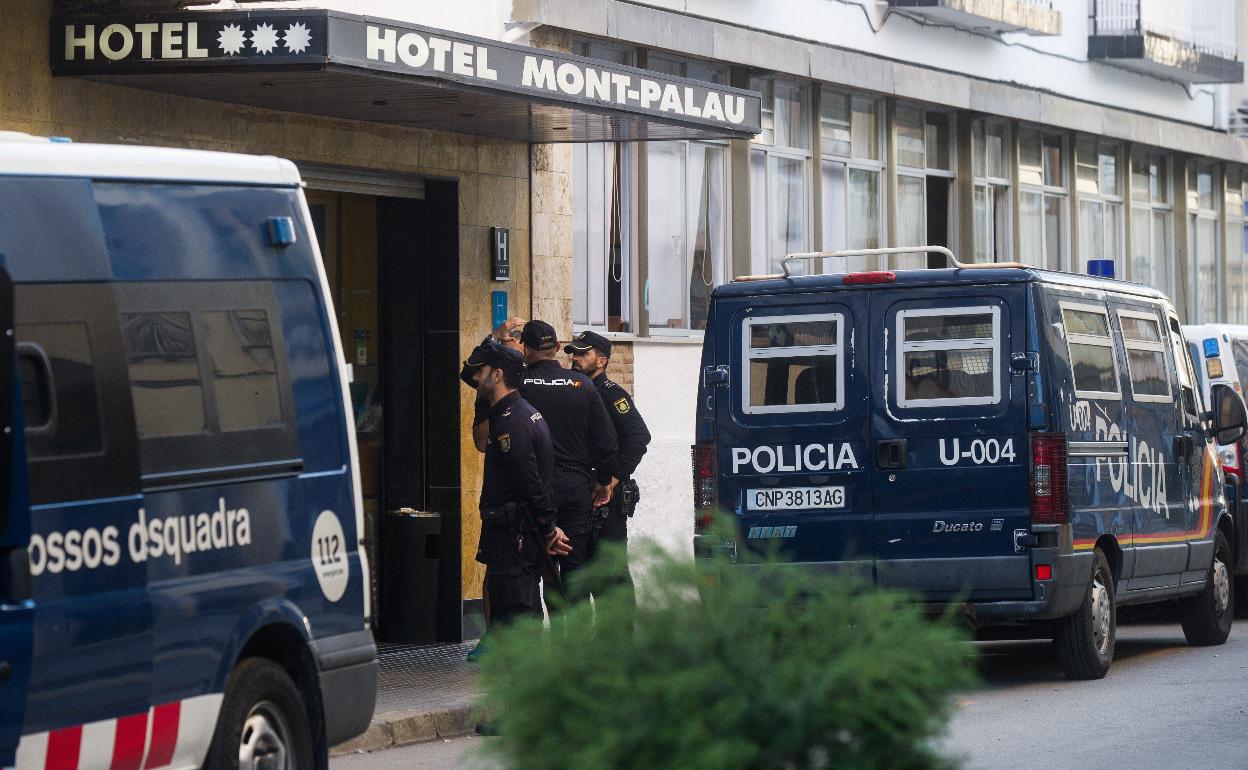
(423,694)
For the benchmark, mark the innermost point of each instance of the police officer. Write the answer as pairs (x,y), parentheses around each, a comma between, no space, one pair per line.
(517,506)
(582,435)
(591,353)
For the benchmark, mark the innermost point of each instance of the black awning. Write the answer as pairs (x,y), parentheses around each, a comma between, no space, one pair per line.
(327,63)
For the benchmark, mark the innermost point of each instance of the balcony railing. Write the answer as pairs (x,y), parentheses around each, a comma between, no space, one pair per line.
(1034,17)
(1189,40)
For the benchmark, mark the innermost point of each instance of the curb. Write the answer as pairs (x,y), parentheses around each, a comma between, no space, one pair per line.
(392,729)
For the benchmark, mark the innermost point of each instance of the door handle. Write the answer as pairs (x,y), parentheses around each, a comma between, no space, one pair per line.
(890,453)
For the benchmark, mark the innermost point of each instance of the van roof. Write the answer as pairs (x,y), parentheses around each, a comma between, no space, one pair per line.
(25,155)
(936,277)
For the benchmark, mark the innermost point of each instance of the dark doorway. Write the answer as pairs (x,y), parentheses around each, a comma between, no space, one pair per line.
(938,215)
(418,255)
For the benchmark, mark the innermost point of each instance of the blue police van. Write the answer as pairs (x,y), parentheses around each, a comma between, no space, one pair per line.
(181,578)
(1025,443)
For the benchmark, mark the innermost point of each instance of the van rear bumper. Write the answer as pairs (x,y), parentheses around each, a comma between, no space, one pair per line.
(1053,599)
(348,674)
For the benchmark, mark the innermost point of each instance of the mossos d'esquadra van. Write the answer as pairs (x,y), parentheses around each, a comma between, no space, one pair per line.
(181,578)
(1028,443)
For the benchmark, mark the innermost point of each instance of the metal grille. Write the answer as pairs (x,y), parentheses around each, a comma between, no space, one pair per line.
(1209,26)
(429,678)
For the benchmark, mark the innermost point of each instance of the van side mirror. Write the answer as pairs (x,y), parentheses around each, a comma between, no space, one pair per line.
(1230,419)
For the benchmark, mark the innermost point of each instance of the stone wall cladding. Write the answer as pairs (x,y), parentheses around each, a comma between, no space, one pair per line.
(493,177)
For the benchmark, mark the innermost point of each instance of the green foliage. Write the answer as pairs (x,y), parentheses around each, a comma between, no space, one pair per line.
(728,666)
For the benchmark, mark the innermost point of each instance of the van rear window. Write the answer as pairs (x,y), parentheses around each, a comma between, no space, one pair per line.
(949,356)
(793,363)
(1091,351)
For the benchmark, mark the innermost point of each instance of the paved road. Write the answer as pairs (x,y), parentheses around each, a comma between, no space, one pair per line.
(1163,705)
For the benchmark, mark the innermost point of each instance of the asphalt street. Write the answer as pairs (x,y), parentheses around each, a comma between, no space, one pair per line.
(1163,705)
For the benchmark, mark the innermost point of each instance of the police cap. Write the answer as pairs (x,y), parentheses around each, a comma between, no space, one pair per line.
(497,355)
(587,340)
(539,335)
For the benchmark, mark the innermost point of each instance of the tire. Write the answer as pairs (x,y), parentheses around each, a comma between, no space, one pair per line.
(1207,616)
(262,719)
(1085,640)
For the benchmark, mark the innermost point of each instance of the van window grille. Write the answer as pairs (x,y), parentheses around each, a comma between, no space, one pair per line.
(949,356)
(1146,357)
(793,363)
(1091,348)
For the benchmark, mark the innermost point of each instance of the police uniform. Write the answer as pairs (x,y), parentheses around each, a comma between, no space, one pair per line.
(582,435)
(633,437)
(517,507)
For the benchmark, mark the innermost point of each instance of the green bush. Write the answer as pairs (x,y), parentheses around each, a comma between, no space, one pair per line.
(728,667)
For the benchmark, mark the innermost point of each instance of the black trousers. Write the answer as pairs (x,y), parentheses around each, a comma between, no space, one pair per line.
(511,572)
(613,531)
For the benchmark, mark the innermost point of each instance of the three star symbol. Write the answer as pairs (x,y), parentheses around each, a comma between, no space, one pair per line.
(265,38)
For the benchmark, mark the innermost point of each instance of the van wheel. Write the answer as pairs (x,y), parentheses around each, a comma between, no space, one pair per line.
(1208,615)
(262,722)
(1085,640)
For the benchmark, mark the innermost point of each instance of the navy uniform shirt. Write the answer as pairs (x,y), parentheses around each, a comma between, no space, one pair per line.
(631,432)
(580,430)
(519,461)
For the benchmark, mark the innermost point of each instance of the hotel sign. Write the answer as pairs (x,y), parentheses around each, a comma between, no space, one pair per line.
(220,40)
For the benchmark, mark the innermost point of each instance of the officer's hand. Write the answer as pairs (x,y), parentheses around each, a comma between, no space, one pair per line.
(558,544)
(602,495)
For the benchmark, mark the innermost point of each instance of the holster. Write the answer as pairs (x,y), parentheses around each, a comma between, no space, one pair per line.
(630,493)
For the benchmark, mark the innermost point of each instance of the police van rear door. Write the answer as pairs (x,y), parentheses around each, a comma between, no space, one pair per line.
(16,610)
(791,430)
(949,441)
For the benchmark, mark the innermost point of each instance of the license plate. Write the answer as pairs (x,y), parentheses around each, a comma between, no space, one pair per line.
(794,498)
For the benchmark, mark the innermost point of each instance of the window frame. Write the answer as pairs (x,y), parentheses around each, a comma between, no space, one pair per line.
(1162,266)
(851,163)
(993,186)
(979,343)
(1199,310)
(621,185)
(805,155)
(1095,340)
(748,355)
(1046,192)
(1144,345)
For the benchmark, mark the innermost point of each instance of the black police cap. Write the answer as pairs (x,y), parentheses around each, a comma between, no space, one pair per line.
(539,335)
(587,340)
(496,355)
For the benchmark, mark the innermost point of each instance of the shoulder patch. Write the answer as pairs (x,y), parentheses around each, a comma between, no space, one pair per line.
(621,405)
(504,442)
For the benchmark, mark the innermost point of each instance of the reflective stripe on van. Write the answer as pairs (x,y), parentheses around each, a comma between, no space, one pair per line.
(171,735)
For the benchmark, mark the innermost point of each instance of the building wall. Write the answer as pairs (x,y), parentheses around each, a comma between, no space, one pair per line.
(1056,64)
(493,175)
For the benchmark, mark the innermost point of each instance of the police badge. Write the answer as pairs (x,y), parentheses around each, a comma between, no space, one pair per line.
(621,405)
(504,442)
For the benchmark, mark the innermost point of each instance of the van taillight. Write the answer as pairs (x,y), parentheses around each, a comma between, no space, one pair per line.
(1049,502)
(703,483)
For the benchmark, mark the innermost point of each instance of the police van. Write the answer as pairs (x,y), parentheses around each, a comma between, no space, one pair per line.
(1022,442)
(1220,352)
(181,577)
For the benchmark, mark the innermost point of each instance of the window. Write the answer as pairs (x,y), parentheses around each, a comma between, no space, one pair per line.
(1098,182)
(924,181)
(992,168)
(208,379)
(778,160)
(60,400)
(1183,364)
(948,356)
(1236,247)
(850,172)
(1146,356)
(1043,193)
(686,232)
(1202,242)
(1152,221)
(601,250)
(601,268)
(793,363)
(1091,351)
